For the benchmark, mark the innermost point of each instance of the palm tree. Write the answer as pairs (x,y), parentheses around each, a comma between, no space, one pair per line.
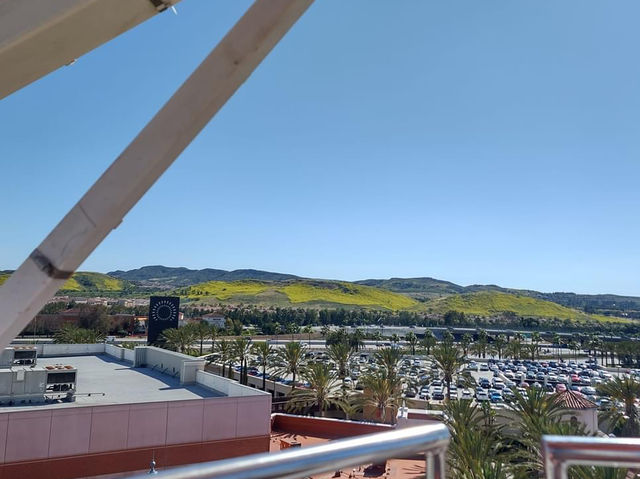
(308,330)
(535,341)
(381,392)
(623,388)
(412,339)
(499,344)
(388,359)
(323,391)
(241,349)
(448,359)
(476,448)
(429,340)
(538,413)
(264,355)
(179,339)
(201,331)
(465,342)
(356,339)
(226,355)
(341,353)
(71,334)
(395,338)
(482,343)
(556,343)
(290,359)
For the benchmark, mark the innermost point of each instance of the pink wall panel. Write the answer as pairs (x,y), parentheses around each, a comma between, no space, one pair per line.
(109,428)
(184,422)
(70,431)
(28,435)
(147,425)
(254,416)
(219,420)
(4,425)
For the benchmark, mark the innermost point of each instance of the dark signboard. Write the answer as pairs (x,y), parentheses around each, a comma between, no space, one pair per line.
(163,314)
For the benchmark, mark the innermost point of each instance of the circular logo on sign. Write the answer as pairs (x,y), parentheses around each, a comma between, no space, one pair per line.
(164,310)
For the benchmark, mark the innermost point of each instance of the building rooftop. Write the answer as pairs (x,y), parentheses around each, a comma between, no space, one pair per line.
(104,380)
(573,400)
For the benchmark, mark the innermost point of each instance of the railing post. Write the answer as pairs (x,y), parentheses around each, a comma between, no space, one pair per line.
(434,465)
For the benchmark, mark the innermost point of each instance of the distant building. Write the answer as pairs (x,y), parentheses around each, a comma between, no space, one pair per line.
(579,408)
(217,320)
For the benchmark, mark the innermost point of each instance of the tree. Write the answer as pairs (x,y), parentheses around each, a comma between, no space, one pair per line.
(448,359)
(94,317)
(341,353)
(388,359)
(308,330)
(429,340)
(241,351)
(465,342)
(226,355)
(482,343)
(70,334)
(382,392)
(412,340)
(626,389)
(499,344)
(290,359)
(201,331)
(264,354)
(323,391)
(178,339)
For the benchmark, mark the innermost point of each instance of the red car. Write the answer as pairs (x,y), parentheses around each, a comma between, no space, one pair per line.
(560,388)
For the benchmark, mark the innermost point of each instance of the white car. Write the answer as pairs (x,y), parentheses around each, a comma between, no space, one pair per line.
(482,396)
(467,394)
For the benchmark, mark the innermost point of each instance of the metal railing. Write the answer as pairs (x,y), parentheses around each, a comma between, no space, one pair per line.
(432,440)
(562,452)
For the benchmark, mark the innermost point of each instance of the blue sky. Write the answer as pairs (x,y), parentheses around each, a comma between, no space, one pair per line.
(477,142)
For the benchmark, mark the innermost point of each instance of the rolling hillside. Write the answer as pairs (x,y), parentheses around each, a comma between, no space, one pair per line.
(489,303)
(299,293)
(165,277)
(84,282)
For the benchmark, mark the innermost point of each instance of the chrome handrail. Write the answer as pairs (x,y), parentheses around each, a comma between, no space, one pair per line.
(561,452)
(432,440)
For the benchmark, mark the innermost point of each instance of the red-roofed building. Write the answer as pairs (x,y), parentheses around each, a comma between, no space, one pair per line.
(580,408)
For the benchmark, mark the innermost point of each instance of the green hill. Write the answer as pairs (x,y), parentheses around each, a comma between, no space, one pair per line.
(82,282)
(299,293)
(489,303)
(4,277)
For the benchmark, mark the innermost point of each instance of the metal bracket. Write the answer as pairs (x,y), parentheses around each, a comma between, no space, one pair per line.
(44,264)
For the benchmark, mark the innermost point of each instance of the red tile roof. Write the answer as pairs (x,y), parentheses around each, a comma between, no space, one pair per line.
(572,400)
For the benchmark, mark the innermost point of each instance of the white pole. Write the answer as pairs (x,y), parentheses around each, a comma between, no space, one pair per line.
(102,208)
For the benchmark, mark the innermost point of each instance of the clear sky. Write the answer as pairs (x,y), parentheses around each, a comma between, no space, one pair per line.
(477,142)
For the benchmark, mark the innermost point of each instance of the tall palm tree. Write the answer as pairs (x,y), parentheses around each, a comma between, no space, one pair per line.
(535,342)
(201,332)
(264,354)
(341,353)
(449,359)
(482,342)
(412,340)
(476,449)
(241,352)
(225,350)
(323,391)
(308,330)
(465,342)
(356,339)
(556,343)
(626,389)
(429,340)
(381,392)
(537,413)
(388,359)
(290,359)
(499,344)
(179,339)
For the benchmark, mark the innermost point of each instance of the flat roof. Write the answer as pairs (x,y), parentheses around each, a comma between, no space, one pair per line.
(110,381)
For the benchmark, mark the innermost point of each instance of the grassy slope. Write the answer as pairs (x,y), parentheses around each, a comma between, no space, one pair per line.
(487,303)
(300,293)
(84,281)
(4,277)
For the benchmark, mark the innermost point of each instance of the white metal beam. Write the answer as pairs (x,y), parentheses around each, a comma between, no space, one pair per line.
(39,36)
(102,208)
